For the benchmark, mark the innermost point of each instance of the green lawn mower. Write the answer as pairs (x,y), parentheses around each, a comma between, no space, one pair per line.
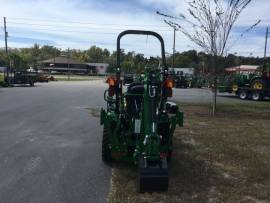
(139,122)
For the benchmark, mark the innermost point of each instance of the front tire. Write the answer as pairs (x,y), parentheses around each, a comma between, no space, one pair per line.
(256,96)
(243,94)
(31,83)
(106,149)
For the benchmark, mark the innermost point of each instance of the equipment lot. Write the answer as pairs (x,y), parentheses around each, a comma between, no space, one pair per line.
(50,145)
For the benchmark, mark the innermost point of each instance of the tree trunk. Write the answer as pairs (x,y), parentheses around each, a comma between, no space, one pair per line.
(215,96)
(214,68)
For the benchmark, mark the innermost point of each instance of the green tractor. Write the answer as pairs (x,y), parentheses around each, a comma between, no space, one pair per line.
(2,79)
(253,86)
(139,122)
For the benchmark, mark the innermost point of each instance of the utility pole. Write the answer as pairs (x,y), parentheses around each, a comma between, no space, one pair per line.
(174,31)
(6,35)
(265,49)
(68,65)
(6,48)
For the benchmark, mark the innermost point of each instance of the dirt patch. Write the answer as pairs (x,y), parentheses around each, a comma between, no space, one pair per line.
(225,158)
(95,112)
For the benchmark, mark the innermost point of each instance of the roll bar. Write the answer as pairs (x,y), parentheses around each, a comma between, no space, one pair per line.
(118,90)
(141,32)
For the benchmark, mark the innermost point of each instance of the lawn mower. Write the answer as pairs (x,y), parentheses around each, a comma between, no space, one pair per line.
(139,121)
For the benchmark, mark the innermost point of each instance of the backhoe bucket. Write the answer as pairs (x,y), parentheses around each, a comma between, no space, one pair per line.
(153,175)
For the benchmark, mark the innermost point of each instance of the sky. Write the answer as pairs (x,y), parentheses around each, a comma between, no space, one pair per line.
(81,24)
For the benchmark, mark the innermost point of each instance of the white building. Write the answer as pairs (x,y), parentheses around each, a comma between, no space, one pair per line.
(101,68)
(189,71)
(3,69)
(242,69)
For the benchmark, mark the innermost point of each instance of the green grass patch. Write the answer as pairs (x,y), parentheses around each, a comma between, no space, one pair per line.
(77,77)
(225,158)
(1,77)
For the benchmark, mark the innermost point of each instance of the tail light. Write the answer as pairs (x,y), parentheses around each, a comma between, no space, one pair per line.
(168,83)
(167,87)
(112,83)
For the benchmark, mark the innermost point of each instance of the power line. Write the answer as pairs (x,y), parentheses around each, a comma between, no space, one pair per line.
(243,33)
(85,23)
(88,22)
(75,31)
(55,23)
(174,33)
(68,26)
(247,52)
(73,26)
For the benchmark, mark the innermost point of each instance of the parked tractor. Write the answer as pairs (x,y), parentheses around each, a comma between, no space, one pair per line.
(225,83)
(139,122)
(2,79)
(181,81)
(253,86)
(21,78)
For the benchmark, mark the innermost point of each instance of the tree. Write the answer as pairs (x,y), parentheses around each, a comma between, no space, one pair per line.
(47,52)
(17,62)
(96,54)
(35,55)
(211,22)
(24,58)
(78,55)
(3,58)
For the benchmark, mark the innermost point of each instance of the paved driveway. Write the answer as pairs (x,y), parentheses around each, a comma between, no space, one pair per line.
(50,144)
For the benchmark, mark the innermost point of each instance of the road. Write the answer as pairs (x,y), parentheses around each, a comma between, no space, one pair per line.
(202,95)
(205,95)
(50,143)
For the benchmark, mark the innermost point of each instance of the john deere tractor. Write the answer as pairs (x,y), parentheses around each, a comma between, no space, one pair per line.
(254,86)
(139,121)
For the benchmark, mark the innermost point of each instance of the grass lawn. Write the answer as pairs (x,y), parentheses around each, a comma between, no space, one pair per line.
(1,77)
(77,77)
(225,158)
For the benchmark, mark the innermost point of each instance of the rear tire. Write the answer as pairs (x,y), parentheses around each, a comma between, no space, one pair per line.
(169,157)
(256,96)
(243,94)
(106,150)
(31,83)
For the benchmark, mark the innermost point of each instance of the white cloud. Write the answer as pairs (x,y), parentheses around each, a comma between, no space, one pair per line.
(108,22)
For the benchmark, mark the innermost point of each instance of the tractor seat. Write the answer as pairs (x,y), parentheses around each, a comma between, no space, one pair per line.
(134,102)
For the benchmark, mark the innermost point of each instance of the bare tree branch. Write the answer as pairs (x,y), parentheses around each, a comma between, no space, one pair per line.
(212,22)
